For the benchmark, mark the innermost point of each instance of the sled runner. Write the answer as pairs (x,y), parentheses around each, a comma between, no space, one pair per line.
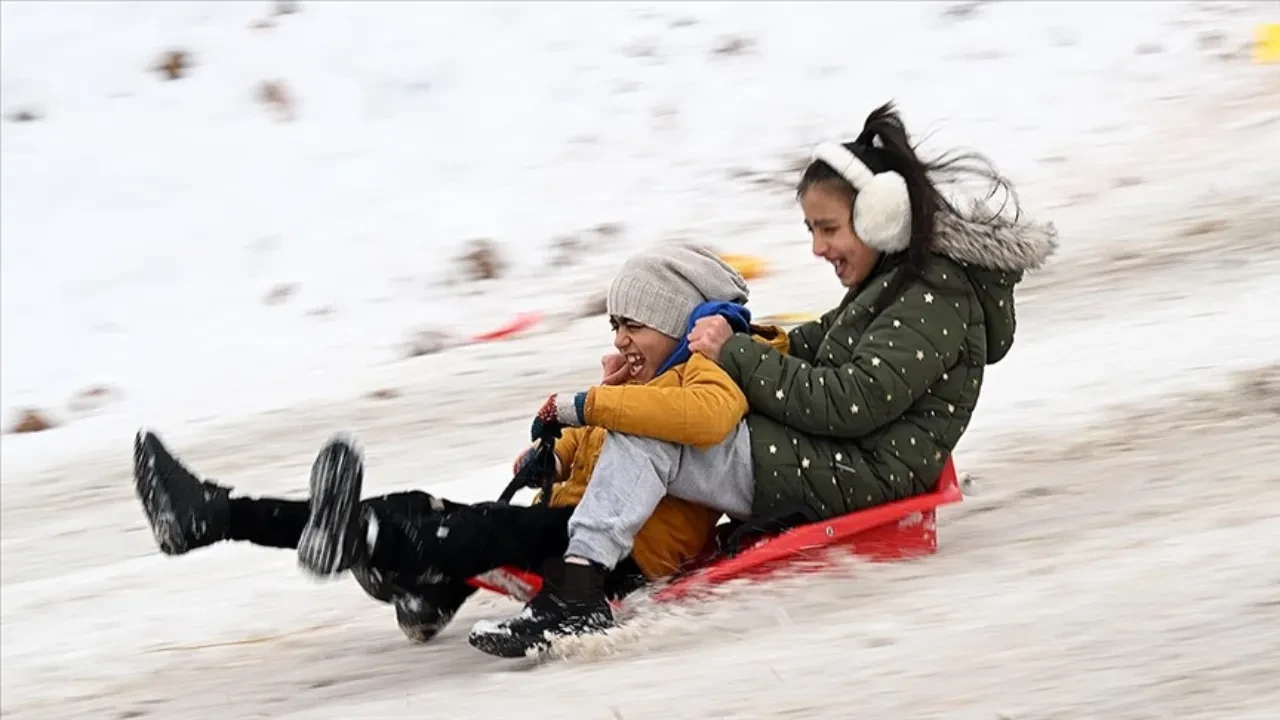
(894,531)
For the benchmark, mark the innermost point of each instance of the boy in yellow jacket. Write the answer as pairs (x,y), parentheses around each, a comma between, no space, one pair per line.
(417,551)
(681,430)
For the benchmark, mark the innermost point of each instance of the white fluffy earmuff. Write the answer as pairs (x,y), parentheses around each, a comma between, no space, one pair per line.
(882,206)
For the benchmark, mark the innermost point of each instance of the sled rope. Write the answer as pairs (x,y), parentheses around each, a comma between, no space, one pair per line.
(538,472)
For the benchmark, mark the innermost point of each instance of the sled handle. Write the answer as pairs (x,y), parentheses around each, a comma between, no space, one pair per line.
(539,471)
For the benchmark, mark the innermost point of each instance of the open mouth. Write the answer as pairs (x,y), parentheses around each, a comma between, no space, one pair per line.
(839,265)
(636,362)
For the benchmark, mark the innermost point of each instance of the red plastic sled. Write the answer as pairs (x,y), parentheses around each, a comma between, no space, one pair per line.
(895,531)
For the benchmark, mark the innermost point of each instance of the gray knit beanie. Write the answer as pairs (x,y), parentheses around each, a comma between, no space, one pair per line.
(661,286)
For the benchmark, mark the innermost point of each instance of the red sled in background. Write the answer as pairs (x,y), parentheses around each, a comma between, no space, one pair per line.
(895,531)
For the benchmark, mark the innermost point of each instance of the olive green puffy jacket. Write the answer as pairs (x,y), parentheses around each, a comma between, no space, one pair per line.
(866,407)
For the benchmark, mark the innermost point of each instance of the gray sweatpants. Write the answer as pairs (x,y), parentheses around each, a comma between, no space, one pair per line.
(634,473)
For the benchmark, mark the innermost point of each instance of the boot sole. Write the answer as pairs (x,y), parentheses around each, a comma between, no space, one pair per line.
(156,502)
(326,545)
(503,644)
(506,644)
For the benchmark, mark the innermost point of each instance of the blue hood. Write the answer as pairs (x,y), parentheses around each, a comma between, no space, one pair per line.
(739,318)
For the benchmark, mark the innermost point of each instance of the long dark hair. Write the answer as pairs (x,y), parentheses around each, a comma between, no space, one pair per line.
(896,152)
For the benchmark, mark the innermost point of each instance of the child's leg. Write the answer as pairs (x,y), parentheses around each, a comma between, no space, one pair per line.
(186,513)
(634,473)
(432,540)
(468,540)
(424,604)
(269,522)
(631,477)
(425,575)
(420,550)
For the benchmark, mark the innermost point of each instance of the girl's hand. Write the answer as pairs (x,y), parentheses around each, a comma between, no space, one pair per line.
(709,336)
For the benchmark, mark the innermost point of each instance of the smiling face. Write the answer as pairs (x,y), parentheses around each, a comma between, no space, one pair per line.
(828,216)
(645,348)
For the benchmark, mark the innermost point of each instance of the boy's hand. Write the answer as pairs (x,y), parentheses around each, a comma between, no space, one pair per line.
(523,460)
(709,336)
(615,369)
(527,457)
(561,410)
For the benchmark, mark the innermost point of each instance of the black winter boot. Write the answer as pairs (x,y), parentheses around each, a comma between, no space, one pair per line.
(401,563)
(572,602)
(184,512)
(423,608)
(423,611)
(332,540)
(375,583)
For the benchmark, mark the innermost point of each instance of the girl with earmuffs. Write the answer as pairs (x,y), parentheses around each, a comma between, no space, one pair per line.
(867,402)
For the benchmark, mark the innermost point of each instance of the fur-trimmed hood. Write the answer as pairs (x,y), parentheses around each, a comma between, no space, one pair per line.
(995,254)
(1011,245)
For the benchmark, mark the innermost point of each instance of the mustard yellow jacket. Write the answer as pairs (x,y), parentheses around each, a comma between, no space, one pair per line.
(695,403)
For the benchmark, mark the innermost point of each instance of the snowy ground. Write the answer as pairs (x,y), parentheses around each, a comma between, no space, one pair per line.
(1118,561)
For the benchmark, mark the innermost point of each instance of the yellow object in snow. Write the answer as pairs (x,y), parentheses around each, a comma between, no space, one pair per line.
(749,266)
(1266,46)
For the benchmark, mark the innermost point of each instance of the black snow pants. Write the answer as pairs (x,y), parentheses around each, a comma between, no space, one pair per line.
(419,534)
